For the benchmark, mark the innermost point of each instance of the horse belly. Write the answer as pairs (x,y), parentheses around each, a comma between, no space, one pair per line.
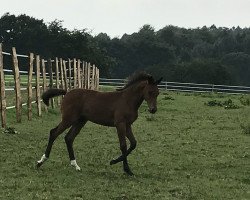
(104,123)
(99,116)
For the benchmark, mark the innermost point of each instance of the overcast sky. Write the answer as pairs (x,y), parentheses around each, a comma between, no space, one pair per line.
(116,17)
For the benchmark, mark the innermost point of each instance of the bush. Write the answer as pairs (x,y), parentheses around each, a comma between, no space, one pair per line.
(168,98)
(245,101)
(214,103)
(228,104)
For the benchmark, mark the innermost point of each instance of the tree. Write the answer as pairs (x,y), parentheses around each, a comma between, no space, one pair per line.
(239,65)
(202,71)
(207,54)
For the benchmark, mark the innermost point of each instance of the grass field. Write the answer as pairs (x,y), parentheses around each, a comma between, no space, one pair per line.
(187,150)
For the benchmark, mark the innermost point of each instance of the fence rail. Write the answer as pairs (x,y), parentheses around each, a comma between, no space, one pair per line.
(41,74)
(184,87)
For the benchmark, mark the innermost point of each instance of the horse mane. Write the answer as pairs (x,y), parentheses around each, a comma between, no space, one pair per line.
(137,77)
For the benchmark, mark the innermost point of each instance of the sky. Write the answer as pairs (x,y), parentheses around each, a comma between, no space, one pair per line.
(117,17)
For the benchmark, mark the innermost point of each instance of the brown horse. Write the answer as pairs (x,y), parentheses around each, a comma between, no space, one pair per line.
(117,109)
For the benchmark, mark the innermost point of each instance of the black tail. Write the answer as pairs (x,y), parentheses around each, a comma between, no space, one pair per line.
(52,93)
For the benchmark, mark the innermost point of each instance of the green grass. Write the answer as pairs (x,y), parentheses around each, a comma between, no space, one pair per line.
(187,150)
(11,97)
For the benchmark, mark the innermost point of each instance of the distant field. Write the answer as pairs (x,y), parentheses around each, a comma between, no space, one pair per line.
(9,80)
(9,83)
(187,150)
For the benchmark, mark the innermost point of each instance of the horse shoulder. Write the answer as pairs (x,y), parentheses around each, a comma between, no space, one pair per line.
(125,114)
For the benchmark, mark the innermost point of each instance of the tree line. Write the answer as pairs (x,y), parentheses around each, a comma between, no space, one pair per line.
(216,55)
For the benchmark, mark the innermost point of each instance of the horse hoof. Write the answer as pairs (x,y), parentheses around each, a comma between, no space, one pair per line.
(130,173)
(77,167)
(74,164)
(112,162)
(38,164)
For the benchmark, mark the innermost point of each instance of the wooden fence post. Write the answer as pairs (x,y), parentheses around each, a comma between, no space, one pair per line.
(65,75)
(17,85)
(79,73)
(61,74)
(212,88)
(88,76)
(57,79)
(38,97)
(29,102)
(82,75)
(51,80)
(75,73)
(70,74)
(97,79)
(44,81)
(3,96)
(93,78)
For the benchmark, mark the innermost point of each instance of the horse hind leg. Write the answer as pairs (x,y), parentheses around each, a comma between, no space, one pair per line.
(54,133)
(69,139)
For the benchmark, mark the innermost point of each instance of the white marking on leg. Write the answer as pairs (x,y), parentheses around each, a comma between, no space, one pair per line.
(43,159)
(73,163)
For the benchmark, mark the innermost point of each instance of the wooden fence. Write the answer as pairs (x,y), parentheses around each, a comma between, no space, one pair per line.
(49,73)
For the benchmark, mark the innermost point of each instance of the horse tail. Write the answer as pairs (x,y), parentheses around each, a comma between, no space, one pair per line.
(52,93)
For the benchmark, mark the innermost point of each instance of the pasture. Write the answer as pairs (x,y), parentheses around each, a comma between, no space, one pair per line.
(187,150)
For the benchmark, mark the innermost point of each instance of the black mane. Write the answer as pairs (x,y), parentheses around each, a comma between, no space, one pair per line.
(137,77)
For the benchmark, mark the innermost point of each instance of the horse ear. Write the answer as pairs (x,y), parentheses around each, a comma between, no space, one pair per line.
(158,81)
(150,79)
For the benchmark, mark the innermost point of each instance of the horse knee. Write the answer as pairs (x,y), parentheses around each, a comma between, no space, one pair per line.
(123,148)
(52,134)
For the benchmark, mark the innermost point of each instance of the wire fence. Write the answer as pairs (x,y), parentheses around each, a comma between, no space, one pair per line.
(184,87)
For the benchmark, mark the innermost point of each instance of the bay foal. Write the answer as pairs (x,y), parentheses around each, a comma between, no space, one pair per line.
(116,109)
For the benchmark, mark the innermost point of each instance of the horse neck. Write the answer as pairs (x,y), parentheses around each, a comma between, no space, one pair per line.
(135,96)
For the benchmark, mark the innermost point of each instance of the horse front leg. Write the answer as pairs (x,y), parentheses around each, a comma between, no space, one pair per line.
(121,131)
(132,140)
